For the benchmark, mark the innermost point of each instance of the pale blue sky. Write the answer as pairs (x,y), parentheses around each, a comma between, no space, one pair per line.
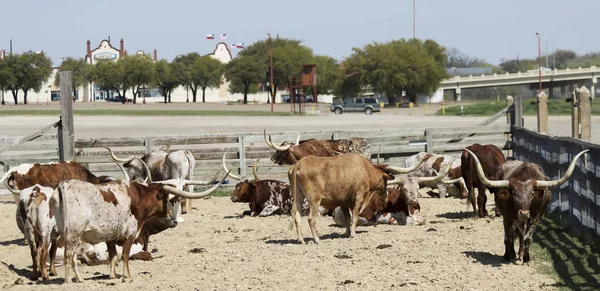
(481,28)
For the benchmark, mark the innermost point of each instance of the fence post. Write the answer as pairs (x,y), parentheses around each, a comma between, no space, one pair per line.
(510,119)
(542,112)
(148,143)
(242,152)
(66,106)
(585,111)
(429,140)
(518,111)
(574,114)
(59,136)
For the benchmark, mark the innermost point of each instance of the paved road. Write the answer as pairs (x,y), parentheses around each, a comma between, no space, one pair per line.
(122,126)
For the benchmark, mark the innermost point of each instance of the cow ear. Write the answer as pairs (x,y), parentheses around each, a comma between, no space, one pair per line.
(503,194)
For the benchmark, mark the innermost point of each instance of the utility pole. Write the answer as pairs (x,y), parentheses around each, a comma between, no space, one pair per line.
(547,54)
(414,20)
(539,59)
(10,46)
(271,74)
(553,55)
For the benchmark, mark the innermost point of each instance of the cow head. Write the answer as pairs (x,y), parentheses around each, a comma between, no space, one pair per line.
(246,186)
(136,168)
(284,153)
(529,184)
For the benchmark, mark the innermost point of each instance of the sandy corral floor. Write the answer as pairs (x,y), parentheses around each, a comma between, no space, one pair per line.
(216,249)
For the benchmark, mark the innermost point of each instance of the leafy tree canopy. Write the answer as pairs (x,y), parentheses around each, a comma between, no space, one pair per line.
(244,73)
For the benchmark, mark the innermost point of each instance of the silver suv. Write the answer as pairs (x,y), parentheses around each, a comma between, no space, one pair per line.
(368,105)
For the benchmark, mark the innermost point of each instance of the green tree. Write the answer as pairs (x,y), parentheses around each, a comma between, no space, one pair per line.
(30,71)
(518,65)
(243,72)
(138,71)
(288,57)
(184,76)
(329,74)
(110,75)
(7,78)
(207,72)
(78,68)
(413,66)
(166,79)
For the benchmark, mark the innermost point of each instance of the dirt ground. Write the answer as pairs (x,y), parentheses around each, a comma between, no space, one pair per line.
(453,250)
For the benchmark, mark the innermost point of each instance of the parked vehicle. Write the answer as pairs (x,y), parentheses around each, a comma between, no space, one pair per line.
(118,99)
(368,105)
(298,99)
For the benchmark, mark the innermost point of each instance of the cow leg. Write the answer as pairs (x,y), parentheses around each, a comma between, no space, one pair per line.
(355,216)
(296,214)
(126,250)
(312,219)
(35,259)
(112,257)
(78,277)
(527,241)
(53,248)
(481,201)
(184,206)
(509,241)
(473,197)
(43,258)
(68,253)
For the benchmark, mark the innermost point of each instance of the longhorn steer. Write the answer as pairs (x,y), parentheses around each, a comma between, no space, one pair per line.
(523,194)
(265,197)
(289,153)
(432,166)
(349,181)
(491,158)
(163,166)
(112,212)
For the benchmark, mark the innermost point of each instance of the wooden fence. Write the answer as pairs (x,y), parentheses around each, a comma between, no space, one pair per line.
(242,149)
(39,146)
(578,200)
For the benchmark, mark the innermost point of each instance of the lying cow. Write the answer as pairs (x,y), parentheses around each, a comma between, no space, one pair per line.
(491,157)
(289,153)
(349,181)
(163,166)
(401,206)
(111,212)
(265,197)
(432,166)
(523,194)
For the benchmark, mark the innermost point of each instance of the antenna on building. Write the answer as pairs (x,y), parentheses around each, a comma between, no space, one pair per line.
(109,39)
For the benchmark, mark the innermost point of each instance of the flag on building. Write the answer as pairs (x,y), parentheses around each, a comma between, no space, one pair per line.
(223,36)
(210,36)
(239,45)
(233,46)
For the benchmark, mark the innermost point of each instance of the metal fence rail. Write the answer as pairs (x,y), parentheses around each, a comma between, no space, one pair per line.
(578,200)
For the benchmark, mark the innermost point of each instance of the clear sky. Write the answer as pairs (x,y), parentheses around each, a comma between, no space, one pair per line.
(480,28)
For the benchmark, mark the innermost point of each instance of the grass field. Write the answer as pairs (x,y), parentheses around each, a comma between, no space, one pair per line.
(129,112)
(564,254)
(555,107)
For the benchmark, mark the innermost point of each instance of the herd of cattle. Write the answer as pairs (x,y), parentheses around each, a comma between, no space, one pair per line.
(65,206)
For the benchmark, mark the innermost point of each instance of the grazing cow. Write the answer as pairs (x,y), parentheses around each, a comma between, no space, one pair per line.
(491,157)
(112,212)
(523,194)
(36,219)
(163,166)
(349,181)
(432,166)
(265,197)
(289,153)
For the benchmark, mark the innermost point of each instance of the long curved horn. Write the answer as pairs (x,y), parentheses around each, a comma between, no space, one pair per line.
(119,160)
(298,138)
(190,182)
(149,175)
(565,177)
(232,175)
(400,170)
(5,181)
(254,172)
(378,151)
(439,176)
(398,180)
(483,178)
(125,175)
(273,146)
(190,195)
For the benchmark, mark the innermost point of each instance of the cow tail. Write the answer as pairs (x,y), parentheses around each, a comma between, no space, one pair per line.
(192,163)
(293,182)
(62,206)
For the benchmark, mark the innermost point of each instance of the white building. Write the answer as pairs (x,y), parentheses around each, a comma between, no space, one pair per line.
(105,51)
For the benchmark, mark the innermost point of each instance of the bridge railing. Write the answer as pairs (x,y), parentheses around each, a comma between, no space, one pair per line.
(507,75)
